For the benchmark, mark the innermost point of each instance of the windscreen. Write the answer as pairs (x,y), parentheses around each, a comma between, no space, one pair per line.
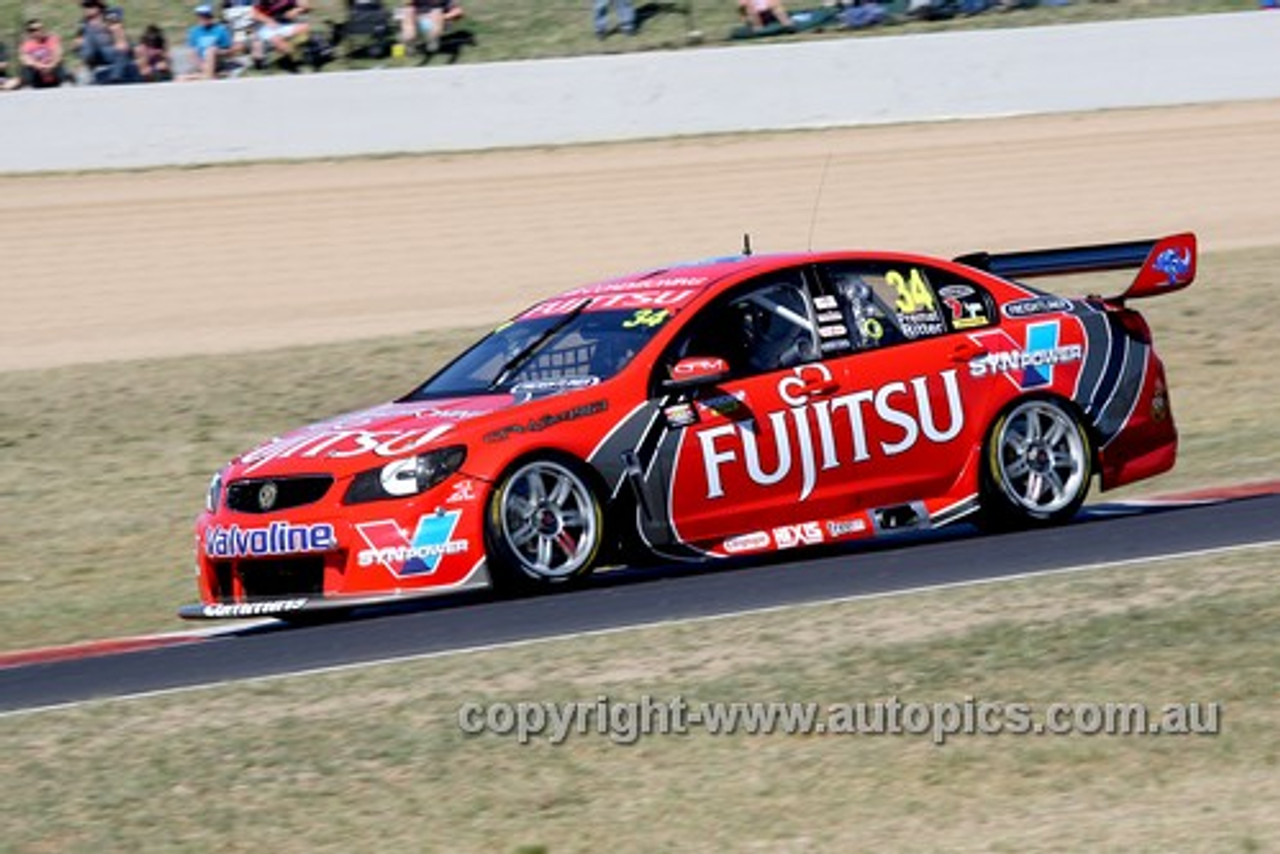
(562,350)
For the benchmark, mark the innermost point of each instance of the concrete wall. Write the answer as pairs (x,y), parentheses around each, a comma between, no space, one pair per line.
(551,102)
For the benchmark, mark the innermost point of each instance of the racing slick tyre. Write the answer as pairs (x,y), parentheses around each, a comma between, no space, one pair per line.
(1036,467)
(544,526)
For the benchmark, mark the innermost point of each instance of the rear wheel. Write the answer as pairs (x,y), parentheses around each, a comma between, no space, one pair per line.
(1037,466)
(544,525)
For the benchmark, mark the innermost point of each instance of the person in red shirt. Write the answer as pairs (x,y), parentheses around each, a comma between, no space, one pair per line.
(41,57)
(759,13)
(281,23)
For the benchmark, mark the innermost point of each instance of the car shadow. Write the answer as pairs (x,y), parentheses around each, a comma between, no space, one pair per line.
(626,576)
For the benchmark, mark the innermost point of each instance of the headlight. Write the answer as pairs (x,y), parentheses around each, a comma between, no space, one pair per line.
(405,477)
(214,496)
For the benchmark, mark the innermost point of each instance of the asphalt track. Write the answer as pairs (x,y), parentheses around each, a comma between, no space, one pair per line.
(632,597)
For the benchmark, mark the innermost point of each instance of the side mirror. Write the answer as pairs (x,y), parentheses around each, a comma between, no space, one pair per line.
(696,372)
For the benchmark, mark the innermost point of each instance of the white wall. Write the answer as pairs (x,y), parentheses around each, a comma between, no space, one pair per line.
(549,102)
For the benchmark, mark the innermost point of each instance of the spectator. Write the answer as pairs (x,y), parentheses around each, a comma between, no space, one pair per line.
(41,58)
(6,82)
(211,40)
(863,13)
(104,46)
(281,23)
(238,16)
(152,56)
(761,13)
(623,11)
(428,17)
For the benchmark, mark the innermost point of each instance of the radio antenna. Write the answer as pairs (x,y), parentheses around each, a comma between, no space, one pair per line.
(746,243)
(822,183)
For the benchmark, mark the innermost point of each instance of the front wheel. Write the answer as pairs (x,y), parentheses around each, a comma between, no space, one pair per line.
(1036,467)
(544,526)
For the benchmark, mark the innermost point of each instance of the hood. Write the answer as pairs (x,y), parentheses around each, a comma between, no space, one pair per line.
(367,438)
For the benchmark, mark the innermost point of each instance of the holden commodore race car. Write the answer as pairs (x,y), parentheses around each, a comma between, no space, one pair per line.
(736,406)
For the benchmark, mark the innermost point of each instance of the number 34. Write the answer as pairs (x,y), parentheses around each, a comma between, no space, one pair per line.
(913,293)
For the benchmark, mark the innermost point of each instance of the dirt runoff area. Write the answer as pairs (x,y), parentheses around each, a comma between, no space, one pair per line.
(150,264)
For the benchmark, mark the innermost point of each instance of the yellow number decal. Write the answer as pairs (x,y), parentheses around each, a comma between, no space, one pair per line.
(646,317)
(913,294)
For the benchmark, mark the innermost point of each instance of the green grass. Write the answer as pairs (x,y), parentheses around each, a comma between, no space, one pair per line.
(532,29)
(103,467)
(334,762)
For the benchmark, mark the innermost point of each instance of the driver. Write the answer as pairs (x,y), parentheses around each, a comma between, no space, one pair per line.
(771,342)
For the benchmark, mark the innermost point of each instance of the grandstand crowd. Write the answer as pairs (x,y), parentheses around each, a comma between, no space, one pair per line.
(266,35)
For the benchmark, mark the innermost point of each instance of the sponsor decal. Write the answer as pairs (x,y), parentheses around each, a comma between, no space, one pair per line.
(530,389)
(830,317)
(631,285)
(824,303)
(956,291)
(450,414)
(837,331)
(463,490)
(966,312)
(1029,366)
(278,538)
(804,534)
(1035,305)
(646,298)
(341,444)
(838,528)
(830,432)
(1174,266)
(728,405)
(696,367)
(745,543)
(542,422)
(255,609)
(680,415)
(391,546)
(871,329)
(836,344)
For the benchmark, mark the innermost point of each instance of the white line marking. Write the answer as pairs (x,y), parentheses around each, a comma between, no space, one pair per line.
(592,633)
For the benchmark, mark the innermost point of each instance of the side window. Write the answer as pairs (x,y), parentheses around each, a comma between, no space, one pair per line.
(886,304)
(968,306)
(767,327)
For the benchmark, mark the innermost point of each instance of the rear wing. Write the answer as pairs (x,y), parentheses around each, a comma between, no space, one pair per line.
(1164,265)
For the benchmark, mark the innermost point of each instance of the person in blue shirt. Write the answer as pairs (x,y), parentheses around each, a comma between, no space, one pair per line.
(211,40)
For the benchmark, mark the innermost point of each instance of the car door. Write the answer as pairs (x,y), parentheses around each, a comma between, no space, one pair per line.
(751,453)
(909,416)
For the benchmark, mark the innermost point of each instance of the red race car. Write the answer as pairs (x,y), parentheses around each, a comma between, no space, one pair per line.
(735,406)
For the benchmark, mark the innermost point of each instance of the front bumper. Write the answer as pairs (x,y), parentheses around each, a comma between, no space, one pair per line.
(330,555)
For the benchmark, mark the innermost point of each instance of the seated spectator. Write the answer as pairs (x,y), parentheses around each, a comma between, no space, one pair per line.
(41,58)
(863,13)
(761,13)
(104,46)
(281,24)
(428,18)
(625,12)
(932,10)
(152,56)
(211,40)
(238,16)
(6,82)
